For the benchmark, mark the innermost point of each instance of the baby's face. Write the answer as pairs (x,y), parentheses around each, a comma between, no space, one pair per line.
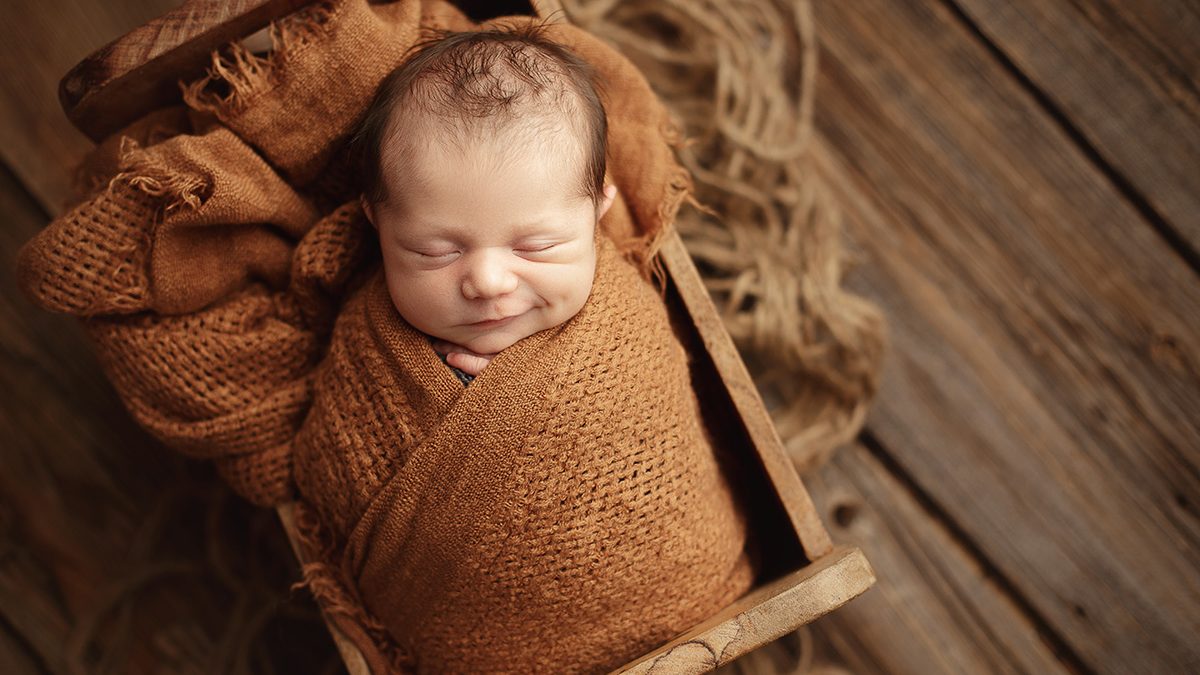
(492,244)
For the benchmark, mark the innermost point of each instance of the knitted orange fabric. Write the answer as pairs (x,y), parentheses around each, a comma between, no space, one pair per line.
(565,512)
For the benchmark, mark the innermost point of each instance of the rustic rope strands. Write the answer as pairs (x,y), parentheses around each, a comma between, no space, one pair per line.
(740,77)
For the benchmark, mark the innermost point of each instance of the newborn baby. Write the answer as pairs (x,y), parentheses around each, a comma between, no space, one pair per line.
(483,162)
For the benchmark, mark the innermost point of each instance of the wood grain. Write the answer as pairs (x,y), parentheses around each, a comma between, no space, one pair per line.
(353,659)
(764,614)
(1127,76)
(40,42)
(15,656)
(80,478)
(140,70)
(764,439)
(935,609)
(1043,388)
(88,500)
(48,439)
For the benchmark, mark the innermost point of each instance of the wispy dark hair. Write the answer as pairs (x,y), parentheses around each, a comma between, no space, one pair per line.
(495,76)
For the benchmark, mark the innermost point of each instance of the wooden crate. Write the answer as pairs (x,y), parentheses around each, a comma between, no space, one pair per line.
(804,575)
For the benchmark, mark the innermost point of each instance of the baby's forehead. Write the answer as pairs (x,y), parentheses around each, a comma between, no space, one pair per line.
(420,144)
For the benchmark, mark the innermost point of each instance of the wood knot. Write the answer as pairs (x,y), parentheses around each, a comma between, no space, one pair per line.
(845,513)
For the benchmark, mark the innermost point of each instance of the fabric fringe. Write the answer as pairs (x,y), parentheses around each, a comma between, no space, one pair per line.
(334,597)
(680,190)
(245,74)
(136,199)
(174,187)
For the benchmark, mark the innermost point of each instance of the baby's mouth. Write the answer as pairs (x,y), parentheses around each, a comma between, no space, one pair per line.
(494,323)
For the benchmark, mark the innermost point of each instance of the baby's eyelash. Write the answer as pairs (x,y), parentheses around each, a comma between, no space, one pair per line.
(529,249)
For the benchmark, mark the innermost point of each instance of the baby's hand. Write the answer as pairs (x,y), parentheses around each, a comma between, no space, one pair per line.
(462,358)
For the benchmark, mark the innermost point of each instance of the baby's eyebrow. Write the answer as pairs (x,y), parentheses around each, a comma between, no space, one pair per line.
(550,226)
(539,231)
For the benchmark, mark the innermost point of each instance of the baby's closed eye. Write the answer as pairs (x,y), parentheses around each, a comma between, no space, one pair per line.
(435,254)
(535,248)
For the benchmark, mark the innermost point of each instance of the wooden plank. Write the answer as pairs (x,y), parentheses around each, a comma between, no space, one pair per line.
(60,426)
(1127,75)
(38,44)
(66,439)
(30,610)
(80,478)
(764,614)
(1043,387)
(935,609)
(351,657)
(751,411)
(15,656)
(140,70)
(95,513)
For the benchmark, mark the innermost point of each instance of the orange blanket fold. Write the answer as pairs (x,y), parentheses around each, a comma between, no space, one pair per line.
(563,513)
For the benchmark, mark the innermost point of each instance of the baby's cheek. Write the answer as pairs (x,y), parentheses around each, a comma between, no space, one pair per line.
(578,288)
(420,298)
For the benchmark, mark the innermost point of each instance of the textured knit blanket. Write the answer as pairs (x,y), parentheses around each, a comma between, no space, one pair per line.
(565,513)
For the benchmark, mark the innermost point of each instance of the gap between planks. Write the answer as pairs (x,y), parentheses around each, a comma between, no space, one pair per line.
(1069,658)
(1174,238)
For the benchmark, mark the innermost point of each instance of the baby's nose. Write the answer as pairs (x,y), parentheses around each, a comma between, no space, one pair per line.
(488,276)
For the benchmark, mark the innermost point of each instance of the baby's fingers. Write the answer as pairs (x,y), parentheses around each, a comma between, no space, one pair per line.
(471,364)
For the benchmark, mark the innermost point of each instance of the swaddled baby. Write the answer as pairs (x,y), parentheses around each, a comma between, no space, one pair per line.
(565,512)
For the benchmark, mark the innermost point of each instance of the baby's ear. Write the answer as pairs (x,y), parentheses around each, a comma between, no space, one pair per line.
(610,193)
(368,211)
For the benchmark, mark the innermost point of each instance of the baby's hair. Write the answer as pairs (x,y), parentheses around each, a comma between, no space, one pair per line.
(486,79)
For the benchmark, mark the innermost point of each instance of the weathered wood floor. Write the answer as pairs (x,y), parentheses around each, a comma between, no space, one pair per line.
(1021,181)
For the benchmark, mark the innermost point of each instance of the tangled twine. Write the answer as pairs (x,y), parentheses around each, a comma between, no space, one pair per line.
(740,77)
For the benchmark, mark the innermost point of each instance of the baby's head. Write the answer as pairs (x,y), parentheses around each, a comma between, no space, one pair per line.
(482,159)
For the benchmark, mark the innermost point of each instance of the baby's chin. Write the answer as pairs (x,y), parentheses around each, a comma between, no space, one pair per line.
(499,339)
(494,341)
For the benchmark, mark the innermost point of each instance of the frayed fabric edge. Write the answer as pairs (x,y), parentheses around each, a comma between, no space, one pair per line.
(175,188)
(680,189)
(340,604)
(247,75)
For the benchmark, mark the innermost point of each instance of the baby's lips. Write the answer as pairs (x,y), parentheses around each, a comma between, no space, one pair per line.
(492,322)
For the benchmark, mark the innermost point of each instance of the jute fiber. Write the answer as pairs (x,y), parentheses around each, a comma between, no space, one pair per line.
(740,76)
(566,511)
